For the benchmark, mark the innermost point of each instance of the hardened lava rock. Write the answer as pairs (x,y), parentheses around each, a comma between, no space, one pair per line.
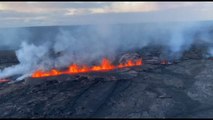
(148,91)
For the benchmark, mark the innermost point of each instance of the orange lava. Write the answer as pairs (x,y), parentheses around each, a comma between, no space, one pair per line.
(3,80)
(164,62)
(75,69)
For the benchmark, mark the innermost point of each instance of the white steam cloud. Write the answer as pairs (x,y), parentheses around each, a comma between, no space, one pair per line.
(87,44)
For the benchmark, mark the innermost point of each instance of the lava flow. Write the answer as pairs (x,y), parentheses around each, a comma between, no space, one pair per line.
(3,80)
(75,69)
(164,62)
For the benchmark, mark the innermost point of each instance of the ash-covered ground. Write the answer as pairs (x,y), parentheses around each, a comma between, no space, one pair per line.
(181,89)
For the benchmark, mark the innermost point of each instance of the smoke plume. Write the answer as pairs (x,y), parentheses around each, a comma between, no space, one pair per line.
(59,47)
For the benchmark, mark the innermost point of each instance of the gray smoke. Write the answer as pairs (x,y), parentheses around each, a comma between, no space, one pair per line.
(12,38)
(29,56)
(86,44)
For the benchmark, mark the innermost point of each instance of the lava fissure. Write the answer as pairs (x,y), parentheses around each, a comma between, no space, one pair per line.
(4,80)
(106,65)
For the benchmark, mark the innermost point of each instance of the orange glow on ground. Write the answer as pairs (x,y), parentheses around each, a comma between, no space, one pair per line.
(75,69)
(3,80)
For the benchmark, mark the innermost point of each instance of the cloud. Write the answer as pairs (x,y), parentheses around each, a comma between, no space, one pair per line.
(44,7)
(126,7)
(57,13)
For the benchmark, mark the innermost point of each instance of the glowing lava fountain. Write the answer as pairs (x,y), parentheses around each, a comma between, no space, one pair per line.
(75,69)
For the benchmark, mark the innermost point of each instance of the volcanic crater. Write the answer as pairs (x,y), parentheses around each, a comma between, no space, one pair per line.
(175,88)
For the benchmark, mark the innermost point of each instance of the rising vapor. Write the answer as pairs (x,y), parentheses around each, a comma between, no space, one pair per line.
(59,47)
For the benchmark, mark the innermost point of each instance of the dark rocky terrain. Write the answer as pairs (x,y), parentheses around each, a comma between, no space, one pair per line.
(182,89)
(7,58)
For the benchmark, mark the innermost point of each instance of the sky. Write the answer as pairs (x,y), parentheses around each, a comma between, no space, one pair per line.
(20,14)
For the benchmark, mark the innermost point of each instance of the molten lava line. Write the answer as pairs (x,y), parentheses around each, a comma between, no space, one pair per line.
(3,80)
(75,69)
(164,62)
